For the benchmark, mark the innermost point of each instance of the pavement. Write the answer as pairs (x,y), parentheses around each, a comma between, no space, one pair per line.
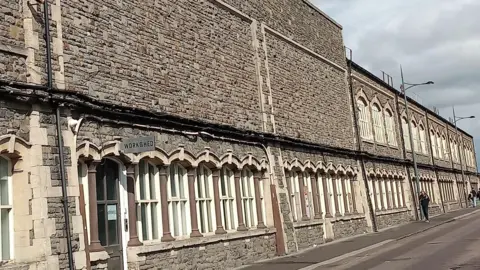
(338,251)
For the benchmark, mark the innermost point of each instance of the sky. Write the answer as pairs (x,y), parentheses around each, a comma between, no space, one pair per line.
(433,40)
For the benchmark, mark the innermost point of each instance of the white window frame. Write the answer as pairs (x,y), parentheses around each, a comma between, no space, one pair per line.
(423,140)
(433,141)
(178,205)
(406,134)
(439,146)
(416,143)
(152,223)
(7,176)
(390,128)
(295,195)
(364,119)
(378,123)
(247,191)
(228,206)
(205,201)
(445,148)
(307,182)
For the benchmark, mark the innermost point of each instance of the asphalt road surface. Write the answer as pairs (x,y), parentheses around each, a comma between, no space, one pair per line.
(455,245)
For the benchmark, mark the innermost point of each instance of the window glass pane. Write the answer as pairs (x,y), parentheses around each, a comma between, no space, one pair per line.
(209,216)
(206,177)
(154,221)
(111,177)
(202,216)
(181,183)
(102,230)
(183,217)
(223,188)
(151,178)
(100,183)
(143,213)
(175,218)
(112,226)
(199,183)
(173,186)
(141,178)
(5,217)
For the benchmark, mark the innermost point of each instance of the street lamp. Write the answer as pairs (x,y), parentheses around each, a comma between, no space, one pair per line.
(414,157)
(455,120)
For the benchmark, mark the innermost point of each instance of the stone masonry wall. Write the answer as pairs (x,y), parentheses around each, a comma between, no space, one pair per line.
(218,255)
(393,218)
(346,227)
(309,235)
(14,117)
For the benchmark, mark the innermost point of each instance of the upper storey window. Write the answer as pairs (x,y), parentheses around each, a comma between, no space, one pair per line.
(390,128)
(378,124)
(364,119)
(406,134)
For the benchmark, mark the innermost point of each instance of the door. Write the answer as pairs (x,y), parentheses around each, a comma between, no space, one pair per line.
(109,214)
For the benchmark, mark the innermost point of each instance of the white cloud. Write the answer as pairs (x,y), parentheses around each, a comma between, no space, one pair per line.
(436,40)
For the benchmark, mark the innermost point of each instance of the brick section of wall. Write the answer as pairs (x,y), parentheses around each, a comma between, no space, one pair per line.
(300,22)
(308,96)
(12,58)
(309,235)
(346,228)
(193,59)
(393,219)
(14,116)
(220,255)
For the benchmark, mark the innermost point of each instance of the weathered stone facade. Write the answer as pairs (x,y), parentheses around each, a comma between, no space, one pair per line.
(252,91)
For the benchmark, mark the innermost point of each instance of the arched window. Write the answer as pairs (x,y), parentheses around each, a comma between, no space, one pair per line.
(148,200)
(248,199)
(378,124)
(364,119)
(294,191)
(204,196)
(433,141)
(406,134)
(439,146)
(178,207)
(445,148)
(423,141)
(390,128)
(227,200)
(6,215)
(416,146)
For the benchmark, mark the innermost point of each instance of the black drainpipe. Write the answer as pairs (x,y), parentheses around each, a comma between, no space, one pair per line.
(359,145)
(66,215)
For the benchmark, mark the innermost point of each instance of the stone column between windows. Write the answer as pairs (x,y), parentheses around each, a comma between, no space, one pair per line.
(132,207)
(397,186)
(301,185)
(193,202)
(335,195)
(375,199)
(382,191)
(354,200)
(326,195)
(238,195)
(258,201)
(388,193)
(316,196)
(167,235)
(345,194)
(216,197)
(95,245)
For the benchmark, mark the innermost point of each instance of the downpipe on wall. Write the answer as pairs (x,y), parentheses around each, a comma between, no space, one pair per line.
(66,214)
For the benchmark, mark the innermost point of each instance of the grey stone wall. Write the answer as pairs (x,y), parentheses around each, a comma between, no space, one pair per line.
(219,255)
(347,227)
(309,235)
(391,219)
(435,210)
(14,117)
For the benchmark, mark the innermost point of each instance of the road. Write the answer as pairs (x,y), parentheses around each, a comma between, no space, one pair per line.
(455,245)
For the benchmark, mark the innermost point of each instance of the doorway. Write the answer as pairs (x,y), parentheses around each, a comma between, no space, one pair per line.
(109,211)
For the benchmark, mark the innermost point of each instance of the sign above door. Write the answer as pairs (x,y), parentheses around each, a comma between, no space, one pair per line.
(138,145)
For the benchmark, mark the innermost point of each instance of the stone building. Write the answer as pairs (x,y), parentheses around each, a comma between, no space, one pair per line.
(266,139)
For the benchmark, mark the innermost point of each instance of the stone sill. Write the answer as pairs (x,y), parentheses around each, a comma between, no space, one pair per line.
(308,223)
(391,211)
(348,217)
(14,50)
(152,247)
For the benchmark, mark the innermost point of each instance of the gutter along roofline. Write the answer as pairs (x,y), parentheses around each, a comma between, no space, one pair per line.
(122,115)
(397,92)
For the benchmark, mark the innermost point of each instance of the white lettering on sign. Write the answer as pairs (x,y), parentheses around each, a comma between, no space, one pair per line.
(138,145)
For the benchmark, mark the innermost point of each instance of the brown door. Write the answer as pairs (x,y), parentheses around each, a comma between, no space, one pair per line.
(108,205)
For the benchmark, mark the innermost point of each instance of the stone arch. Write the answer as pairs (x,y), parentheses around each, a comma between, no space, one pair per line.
(376,102)
(230,160)
(252,162)
(294,164)
(158,156)
(13,146)
(88,150)
(320,167)
(308,165)
(331,168)
(341,170)
(184,158)
(360,95)
(371,172)
(208,158)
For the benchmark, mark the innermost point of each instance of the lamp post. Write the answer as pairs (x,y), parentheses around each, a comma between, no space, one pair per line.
(455,120)
(414,157)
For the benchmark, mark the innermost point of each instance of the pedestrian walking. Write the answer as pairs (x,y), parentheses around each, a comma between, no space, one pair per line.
(473,197)
(424,200)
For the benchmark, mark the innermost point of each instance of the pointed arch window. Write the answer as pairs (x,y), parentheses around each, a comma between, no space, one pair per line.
(439,146)
(406,134)
(445,148)
(433,141)
(390,128)
(205,203)
(178,207)
(6,214)
(227,200)
(247,189)
(364,119)
(148,202)
(423,140)
(416,145)
(378,123)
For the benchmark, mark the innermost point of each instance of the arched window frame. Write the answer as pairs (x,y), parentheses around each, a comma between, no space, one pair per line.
(439,146)
(433,141)
(423,139)
(446,153)
(364,119)
(416,144)
(148,202)
(205,202)
(6,210)
(247,191)
(378,123)
(178,201)
(390,128)
(228,207)
(406,134)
